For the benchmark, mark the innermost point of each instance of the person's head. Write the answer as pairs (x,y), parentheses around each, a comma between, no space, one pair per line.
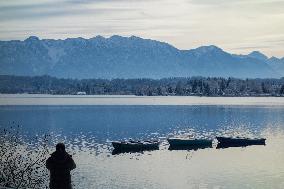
(60,147)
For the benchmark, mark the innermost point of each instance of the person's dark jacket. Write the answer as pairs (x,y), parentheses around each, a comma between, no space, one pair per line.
(60,164)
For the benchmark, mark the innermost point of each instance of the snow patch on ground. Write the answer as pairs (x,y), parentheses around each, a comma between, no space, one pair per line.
(39,99)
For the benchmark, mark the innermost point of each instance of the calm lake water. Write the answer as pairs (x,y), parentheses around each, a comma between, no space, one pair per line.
(88,130)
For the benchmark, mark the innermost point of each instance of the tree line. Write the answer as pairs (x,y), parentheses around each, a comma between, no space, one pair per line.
(191,86)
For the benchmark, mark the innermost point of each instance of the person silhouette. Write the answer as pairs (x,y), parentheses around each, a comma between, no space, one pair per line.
(60,163)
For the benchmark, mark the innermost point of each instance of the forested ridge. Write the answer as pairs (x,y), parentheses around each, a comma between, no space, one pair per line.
(191,86)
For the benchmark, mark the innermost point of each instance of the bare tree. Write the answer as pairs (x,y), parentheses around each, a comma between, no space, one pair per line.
(22,165)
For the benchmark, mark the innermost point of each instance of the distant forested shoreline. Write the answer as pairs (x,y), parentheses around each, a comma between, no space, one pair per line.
(191,86)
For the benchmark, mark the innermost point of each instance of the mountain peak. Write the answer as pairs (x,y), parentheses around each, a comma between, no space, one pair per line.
(99,37)
(274,58)
(258,55)
(118,37)
(115,37)
(209,48)
(32,38)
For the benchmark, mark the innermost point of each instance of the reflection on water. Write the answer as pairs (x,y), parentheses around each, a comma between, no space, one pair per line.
(222,145)
(89,130)
(194,147)
(118,151)
(244,167)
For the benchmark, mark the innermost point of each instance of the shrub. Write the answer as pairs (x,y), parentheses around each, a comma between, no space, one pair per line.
(22,164)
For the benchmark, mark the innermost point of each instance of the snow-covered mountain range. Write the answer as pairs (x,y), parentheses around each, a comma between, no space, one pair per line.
(128,57)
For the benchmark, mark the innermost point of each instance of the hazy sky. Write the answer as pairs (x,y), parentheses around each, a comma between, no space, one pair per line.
(237,26)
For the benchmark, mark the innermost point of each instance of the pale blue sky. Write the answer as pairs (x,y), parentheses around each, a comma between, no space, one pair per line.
(236,26)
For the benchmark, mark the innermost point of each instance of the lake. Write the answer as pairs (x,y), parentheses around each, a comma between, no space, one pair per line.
(87,124)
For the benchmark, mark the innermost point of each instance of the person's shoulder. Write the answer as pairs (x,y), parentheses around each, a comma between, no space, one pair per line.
(70,156)
(50,157)
(53,153)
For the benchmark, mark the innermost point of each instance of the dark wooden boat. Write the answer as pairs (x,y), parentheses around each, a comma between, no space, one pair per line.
(182,142)
(190,147)
(230,141)
(135,145)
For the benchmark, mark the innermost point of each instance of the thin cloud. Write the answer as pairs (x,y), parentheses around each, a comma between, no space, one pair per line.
(48,10)
(251,47)
(241,25)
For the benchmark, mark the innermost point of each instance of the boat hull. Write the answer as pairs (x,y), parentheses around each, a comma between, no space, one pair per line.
(226,141)
(189,142)
(135,146)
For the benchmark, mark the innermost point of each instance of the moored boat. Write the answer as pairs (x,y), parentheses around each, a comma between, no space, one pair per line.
(135,145)
(241,141)
(189,142)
